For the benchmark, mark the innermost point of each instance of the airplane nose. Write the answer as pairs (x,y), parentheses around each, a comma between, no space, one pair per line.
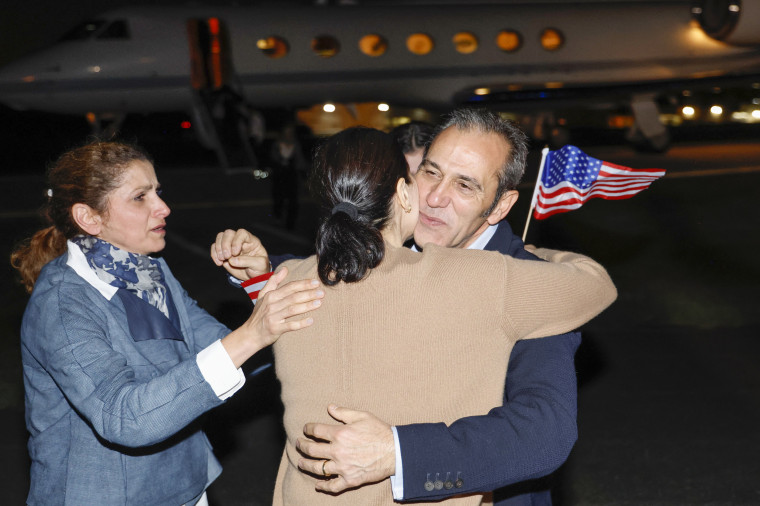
(26,77)
(29,69)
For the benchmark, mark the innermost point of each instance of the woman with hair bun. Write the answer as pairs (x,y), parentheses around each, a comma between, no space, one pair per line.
(408,336)
(118,361)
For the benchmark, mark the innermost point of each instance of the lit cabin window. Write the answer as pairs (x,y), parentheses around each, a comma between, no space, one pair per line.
(84,30)
(465,42)
(419,43)
(325,46)
(552,39)
(273,47)
(116,30)
(373,45)
(509,40)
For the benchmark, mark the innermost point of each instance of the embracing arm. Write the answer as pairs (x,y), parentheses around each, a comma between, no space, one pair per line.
(572,289)
(528,437)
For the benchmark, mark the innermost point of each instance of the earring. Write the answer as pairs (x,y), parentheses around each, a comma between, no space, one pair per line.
(408,210)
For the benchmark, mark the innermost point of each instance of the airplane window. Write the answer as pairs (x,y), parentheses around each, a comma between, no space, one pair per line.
(465,42)
(419,43)
(509,40)
(552,39)
(373,45)
(84,30)
(325,46)
(273,47)
(116,30)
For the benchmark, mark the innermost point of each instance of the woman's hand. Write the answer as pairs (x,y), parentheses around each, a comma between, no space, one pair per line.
(240,253)
(278,310)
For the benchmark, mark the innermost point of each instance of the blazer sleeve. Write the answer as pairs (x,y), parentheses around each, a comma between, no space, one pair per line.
(528,437)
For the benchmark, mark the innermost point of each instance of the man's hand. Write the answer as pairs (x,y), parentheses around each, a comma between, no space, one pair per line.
(240,253)
(361,451)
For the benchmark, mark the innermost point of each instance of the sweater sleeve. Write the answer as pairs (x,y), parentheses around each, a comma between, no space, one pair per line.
(556,296)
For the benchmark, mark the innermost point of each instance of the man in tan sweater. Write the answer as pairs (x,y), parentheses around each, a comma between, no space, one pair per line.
(467,184)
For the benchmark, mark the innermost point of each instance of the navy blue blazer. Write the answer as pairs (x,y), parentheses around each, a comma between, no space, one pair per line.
(528,437)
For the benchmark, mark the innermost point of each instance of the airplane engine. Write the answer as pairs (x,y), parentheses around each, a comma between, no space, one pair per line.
(731,21)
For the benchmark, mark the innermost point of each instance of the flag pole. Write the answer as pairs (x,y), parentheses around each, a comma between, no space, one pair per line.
(544,152)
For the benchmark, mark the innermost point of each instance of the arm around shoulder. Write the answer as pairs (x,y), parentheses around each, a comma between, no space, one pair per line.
(528,437)
(556,296)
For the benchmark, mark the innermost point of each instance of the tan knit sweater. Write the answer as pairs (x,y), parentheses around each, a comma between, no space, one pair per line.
(426,337)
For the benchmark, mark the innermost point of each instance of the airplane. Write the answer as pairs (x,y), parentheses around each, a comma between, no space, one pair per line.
(531,56)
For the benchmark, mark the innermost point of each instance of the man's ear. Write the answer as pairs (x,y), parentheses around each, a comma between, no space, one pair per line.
(505,203)
(87,219)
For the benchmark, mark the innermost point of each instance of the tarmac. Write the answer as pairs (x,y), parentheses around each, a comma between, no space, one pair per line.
(669,386)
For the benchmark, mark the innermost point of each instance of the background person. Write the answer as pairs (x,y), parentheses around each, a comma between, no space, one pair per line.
(413,138)
(118,361)
(287,164)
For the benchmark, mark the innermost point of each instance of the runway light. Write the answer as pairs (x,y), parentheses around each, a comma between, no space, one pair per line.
(716,110)
(688,111)
(95,69)
(482,91)
(756,114)
(185,124)
(328,108)
(383,107)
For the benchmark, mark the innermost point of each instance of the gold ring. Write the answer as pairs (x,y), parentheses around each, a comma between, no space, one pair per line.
(324,463)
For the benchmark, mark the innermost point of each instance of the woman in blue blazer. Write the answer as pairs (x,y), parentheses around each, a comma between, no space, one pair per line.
(118,361)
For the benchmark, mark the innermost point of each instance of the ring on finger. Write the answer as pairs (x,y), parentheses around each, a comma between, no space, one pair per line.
(324,463)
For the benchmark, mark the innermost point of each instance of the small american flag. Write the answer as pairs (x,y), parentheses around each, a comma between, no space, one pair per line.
(254,285)
(570,177)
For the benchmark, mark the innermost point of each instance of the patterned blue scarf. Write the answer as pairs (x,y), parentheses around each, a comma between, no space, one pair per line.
(138,274)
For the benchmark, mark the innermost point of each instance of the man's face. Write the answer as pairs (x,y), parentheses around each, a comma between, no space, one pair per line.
(457,183)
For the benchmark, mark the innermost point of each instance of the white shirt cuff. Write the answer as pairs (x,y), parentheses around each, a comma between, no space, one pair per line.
(218,370)
(397,480)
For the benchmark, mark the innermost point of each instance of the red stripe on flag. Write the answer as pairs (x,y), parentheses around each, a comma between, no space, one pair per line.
(254,285)
(257,279)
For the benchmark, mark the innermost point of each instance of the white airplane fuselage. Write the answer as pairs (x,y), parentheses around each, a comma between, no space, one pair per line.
(604,44)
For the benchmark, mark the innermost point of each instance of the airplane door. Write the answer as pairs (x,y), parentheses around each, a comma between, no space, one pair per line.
(210,55)
(220,112)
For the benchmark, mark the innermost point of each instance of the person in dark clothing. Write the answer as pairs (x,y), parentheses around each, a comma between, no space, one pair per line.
(413,138)
(287,163)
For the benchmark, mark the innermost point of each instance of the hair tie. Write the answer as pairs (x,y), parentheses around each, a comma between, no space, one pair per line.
(348,208)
